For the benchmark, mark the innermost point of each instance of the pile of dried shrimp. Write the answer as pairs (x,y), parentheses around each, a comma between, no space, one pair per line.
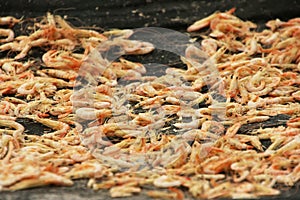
(260,79)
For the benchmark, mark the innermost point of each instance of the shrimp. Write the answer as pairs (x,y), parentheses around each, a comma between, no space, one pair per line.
(58,73)
(133,65)
(8,33)
(27,88)
(135,47)
(166,182)
(18,133)
(60,127)
(45,178)
(294,123)
(62,59)
(9,20)
(92,113)
(124,190)
(206,21)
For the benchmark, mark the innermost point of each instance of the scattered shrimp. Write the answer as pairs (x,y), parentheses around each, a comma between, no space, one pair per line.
(166,182)
(61,60)
(126,129)
(8,33)
(60,127)
(9,20)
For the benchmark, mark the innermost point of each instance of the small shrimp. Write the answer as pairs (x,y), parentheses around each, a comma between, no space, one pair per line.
(43,179)
(139,67)
(92,113)
(61,59)
(295,143)
(125,33)
(27,88)
(255,83)
(65,44)
(9,20)
(63,74)
(296,95)
(125,190)
(231,131)
(194,124)
(18,133)
(203,22)
(170,109)
(136,47)
(15,67)
(294,123)
(233,87)
(60,127)
(173,193)
(251,46)
(60,111)
(8,33)
(25,48)
(173,100)
(209,46)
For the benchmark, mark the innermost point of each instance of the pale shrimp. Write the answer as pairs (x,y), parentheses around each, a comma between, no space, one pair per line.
(251,46)
(63,95)
(294,123)
(10,86)
(135,47)
(9,20)
(25,48)
(7,108)
(18,133)
(15,67)
(147,89)
(6,146)
(90,168)
(124,190)
(63,74)
(206,21)
(194,124)
(79,154)
(62,59)
(294,143)
(213,126)
(125,33)
(173,100)
(92,113)
(60,111)
(65,44)
(254,140)
(232,130)
(139,67)
(173,193)
(60,127)
(43,179)
(256,82)
(8,33)
(18,171)
(270,37)
(27,88)
(198,134)
(209,46)
(170,109)
(5,117)
(55,81)
(296,95)
(233,87)
(13,46)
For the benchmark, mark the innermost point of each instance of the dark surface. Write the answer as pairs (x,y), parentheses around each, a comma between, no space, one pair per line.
(108,14)
(140,13)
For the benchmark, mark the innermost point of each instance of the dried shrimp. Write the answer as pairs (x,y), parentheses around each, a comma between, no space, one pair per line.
(192,142)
